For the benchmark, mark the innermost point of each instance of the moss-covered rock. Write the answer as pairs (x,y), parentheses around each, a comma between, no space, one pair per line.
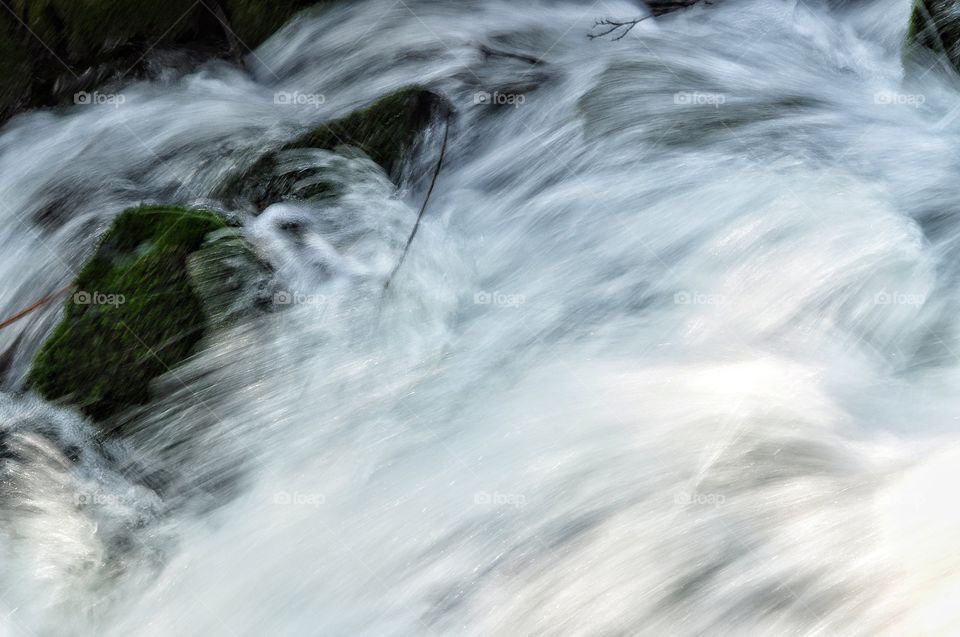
(135,314)
(385,131)
(934,30)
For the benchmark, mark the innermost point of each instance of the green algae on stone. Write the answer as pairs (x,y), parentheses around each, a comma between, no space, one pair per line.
(134,315)
(385,132)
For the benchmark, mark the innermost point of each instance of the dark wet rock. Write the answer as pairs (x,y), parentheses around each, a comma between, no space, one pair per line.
(231,282)
(934,32)
(386,131)
(661,7)
(52,49)
(253,21)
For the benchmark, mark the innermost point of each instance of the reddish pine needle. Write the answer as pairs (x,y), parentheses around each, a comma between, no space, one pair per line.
(16,317)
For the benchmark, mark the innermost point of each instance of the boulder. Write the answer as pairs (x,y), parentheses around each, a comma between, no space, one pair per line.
(386,132)
(136,312)
(231,281)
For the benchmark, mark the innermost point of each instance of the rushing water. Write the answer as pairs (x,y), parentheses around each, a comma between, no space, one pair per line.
(675,351)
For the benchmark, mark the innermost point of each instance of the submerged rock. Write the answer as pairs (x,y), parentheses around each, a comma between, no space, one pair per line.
(934,31)
(140,307)
(386,132)
(231,282)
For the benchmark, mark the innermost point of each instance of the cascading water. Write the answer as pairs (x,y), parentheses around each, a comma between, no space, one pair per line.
(674,351)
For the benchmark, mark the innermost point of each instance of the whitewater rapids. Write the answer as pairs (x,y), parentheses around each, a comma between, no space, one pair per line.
(675,351)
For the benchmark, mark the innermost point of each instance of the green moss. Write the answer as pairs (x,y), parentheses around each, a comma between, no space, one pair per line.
(135,314)
(385,131)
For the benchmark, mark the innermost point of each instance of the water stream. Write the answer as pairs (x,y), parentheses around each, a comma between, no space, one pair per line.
(675,351)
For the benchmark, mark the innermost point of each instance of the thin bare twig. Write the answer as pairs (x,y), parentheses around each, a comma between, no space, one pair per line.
(657,9)
(612,25)
(423,208)
(19,315)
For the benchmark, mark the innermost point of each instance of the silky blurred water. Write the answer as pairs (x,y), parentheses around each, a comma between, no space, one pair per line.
(674,351)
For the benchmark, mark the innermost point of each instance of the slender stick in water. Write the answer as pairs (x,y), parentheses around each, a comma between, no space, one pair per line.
(423,208)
